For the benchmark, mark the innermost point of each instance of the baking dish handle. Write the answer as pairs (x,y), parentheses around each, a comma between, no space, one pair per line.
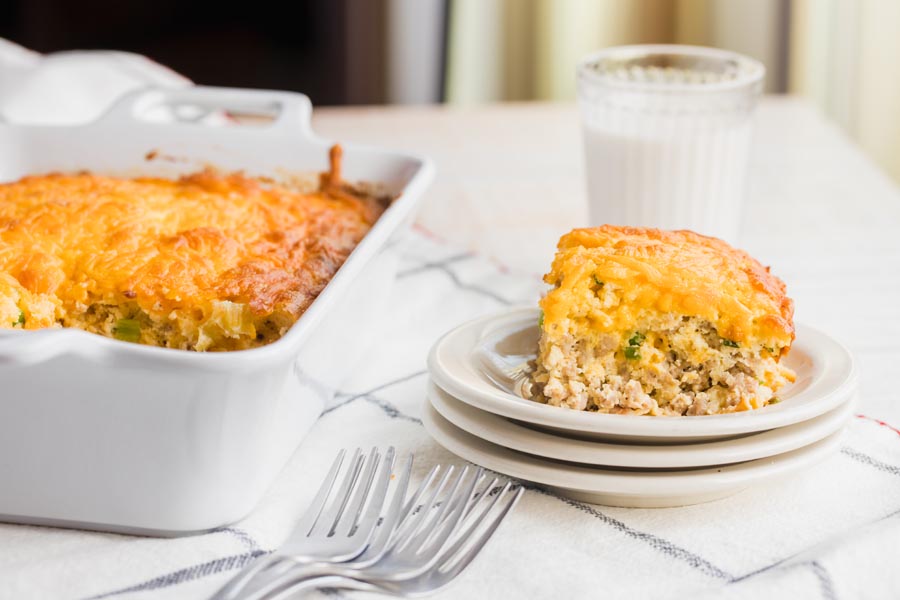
(25,348)
(286,113)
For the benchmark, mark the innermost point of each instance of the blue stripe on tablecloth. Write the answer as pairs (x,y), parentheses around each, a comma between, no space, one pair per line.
(818,569)
(871,461)
(437,264)
(444,267)
(242,535)
(195,572)
(826,583)
(186,574)
(347,400)
(200,570)
(470,287)
(390,410)
(659,544)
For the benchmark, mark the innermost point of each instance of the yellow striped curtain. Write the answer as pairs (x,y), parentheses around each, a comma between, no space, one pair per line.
(841,54)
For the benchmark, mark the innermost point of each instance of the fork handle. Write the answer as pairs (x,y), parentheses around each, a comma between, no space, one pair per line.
(281,581)
(268,574)
(297,587)
(237,584)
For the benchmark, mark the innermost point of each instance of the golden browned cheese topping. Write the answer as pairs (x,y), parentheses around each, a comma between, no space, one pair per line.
(173,251)
(678,272)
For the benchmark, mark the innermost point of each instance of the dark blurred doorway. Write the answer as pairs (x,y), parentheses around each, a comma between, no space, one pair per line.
(332,50)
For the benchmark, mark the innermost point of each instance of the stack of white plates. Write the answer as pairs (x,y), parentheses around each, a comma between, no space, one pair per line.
(475,412)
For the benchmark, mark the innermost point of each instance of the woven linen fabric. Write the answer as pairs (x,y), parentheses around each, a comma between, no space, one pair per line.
(72,87)
(829,532)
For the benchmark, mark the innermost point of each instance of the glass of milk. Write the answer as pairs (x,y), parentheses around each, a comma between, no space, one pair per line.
(667,136)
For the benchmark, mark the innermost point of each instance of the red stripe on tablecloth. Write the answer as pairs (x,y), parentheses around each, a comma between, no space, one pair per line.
(879,422)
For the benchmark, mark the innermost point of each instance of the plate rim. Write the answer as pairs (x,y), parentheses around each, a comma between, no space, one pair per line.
(492,399)
(646,483)
(507,434)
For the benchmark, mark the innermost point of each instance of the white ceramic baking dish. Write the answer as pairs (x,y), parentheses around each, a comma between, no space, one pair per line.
(103,434)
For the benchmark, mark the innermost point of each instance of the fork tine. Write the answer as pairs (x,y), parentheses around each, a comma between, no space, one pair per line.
(439,504)
(415,511)
(347,520)
(465,498)
(394,513)
(312,513)
(376,503)
(461,561)
(417,518)
(449,518)
(477,498)
(465,534)
(370,497)
(329,517)
(455,497)
(408,516)
(426,481)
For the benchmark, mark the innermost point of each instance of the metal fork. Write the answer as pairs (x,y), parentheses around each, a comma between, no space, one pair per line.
(433,521)
(416,548)
(384,539)
(339,530)
(447,565)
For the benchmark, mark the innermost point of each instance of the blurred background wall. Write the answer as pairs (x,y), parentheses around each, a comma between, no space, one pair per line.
(837,53)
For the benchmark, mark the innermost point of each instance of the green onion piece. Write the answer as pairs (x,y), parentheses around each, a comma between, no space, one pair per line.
(729,343)
(20,320)
(541,319)
(597,281)
(127,330)
(637,339)
(774,400)
(632,353)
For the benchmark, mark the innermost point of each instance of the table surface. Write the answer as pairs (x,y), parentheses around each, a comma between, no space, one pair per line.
(510,181)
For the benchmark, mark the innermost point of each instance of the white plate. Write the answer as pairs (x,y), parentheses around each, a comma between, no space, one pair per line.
(826,377)
(504,432)
(640,489)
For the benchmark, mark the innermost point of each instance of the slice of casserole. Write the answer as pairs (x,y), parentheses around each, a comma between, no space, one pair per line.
(207,262)
(650,322)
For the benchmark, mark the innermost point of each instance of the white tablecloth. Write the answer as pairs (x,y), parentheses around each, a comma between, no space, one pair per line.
(832,532)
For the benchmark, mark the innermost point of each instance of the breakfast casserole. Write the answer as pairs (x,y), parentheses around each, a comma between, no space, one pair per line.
(206,262)
(651,322)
